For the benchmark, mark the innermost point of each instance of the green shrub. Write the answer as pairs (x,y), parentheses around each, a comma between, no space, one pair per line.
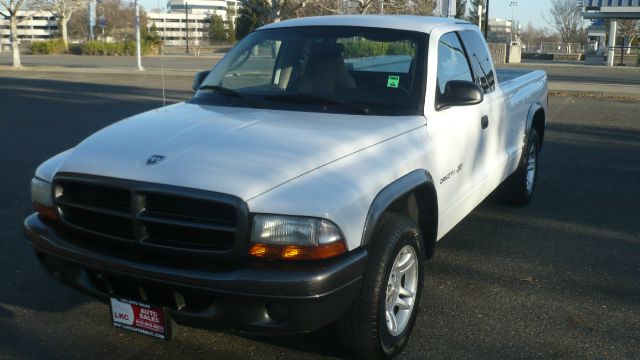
(361,48)
(116,48)
(48,47)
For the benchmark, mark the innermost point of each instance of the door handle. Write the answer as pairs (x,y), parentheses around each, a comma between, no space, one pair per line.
(484,121)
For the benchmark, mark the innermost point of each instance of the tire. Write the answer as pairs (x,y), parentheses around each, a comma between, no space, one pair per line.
(520,186)
(366,330)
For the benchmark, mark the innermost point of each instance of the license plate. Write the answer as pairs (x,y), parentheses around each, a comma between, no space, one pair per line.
(142,318)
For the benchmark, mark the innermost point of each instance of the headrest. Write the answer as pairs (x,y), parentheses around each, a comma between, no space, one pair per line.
(327,49)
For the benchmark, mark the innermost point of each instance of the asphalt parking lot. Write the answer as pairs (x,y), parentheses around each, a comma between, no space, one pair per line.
(559,278)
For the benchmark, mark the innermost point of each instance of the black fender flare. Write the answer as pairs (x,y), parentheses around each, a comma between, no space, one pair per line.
(409,183)
(533,109)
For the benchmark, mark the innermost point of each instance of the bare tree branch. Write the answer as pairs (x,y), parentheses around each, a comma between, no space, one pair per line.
(320,5)
(19,4)
(565,17)
(5,5)
(61,9)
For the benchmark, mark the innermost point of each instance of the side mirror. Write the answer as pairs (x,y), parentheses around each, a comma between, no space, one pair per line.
(459,93)
(199,78)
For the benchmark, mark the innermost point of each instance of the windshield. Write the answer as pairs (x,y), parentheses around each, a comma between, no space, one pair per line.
(351,70)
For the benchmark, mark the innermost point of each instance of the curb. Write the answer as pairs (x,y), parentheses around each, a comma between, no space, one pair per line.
(605,95)
(109,71)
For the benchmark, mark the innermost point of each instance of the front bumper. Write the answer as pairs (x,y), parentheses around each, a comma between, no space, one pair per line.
(255,296)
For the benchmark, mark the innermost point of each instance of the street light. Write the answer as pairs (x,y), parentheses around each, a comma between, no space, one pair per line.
(513,5)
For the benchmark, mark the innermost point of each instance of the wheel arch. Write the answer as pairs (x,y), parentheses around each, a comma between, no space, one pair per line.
(413,195)
(536,118)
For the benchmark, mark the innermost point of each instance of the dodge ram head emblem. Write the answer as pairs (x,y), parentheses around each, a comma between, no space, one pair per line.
(155,159)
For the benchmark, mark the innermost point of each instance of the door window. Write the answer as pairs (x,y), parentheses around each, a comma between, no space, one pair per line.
(452,62)
(480,59)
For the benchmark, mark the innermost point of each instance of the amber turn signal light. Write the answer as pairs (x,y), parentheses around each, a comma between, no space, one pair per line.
(45,211)
(297,252)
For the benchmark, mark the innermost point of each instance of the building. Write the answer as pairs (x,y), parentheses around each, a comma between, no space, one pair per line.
(503,31)
(173,25)
(32,26)
(202,6)
(613,10)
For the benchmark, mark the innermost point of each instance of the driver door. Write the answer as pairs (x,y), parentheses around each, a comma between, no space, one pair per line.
(458,137)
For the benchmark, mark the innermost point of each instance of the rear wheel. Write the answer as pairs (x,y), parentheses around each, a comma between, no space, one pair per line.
(519,187)
(380,321)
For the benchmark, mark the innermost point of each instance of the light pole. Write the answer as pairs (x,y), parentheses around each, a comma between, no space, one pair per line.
(91,16)
(486,21)
(513,5)
(138,51)
(186,12)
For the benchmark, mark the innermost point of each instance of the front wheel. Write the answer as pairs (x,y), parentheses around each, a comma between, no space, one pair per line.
(381,318)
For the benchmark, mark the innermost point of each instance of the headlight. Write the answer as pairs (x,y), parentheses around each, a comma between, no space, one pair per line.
(41,198)
(295,238)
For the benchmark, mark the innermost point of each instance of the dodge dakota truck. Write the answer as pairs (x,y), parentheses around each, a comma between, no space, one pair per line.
(305,184)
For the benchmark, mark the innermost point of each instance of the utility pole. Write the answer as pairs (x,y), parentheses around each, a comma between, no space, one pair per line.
(445,8)
(513,5)
(91,16)
(486,21)
(480,16)
(138,51)
(186,12)
(613,31)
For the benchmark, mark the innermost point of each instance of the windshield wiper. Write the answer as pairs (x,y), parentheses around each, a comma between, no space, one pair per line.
(230,92)
(298,97)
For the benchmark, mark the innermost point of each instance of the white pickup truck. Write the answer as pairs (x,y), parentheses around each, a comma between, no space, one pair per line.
(304,184)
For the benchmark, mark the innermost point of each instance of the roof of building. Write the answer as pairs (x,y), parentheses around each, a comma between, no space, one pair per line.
(401,22)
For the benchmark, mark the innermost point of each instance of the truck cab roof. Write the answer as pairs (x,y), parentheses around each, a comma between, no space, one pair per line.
(399,22)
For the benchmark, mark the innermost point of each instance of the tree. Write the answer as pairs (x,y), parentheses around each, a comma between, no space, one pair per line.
(532,36)
(230,24)
(284,9)
(217,31)
(474,17)
(119,15)
(13,7)
(333,7)
(252,15)
(461,9)
(629,28)
(565,17)
(152,36)
(62,10)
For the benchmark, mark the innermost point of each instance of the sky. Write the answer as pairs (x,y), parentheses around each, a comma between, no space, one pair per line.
(527,10)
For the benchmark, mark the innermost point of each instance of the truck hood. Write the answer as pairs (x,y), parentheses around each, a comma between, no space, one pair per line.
(238,151)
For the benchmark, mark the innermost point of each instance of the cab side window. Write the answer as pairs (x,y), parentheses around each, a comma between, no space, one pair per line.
(480,60)
(452,61)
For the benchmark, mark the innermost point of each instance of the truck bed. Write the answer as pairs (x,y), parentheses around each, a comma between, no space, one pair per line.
(514,81)
(506,75)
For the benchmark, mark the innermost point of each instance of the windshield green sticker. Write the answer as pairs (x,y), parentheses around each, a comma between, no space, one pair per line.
(393,81)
